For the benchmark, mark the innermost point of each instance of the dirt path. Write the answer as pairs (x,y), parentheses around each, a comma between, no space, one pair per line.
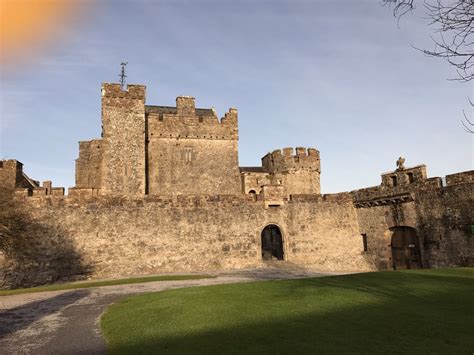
(67,322)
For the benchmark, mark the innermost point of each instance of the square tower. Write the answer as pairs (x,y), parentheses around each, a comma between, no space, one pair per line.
(123,140)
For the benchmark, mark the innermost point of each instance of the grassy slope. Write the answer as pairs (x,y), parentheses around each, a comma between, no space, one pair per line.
(89,284)
(426,311)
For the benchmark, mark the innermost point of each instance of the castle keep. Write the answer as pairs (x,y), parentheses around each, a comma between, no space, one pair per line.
(182,150)
(162,191)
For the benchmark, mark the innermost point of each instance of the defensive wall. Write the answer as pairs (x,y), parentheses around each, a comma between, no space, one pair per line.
(117,236)
(73,237)
(441,215)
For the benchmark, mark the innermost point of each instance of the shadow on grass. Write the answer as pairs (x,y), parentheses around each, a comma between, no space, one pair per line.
(350,314)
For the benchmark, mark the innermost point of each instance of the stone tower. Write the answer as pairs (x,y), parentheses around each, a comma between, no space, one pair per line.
(123,140)
(190,151)
(298,173)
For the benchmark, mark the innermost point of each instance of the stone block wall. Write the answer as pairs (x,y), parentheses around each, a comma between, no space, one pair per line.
(10,173)
(445,219)
(404,177)
(123,140)
(190,152)
(441,216)
(323,233)
(118,236)
(460,178)
(89,164)
(253,179)
(299,173)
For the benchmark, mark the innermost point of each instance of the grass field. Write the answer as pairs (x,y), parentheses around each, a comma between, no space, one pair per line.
(89,284)
(425,311)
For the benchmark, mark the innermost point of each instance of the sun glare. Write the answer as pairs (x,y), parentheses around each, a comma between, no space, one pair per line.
(32,24)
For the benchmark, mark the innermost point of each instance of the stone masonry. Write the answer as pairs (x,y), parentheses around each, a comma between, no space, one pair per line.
(162,191)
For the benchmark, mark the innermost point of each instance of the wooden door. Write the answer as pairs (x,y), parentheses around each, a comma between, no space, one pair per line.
(405,249)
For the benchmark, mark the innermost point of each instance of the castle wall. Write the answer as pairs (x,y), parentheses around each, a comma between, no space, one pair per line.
(323,233)
(13,177)
(113,236)
(252,181)
(89,164)
(123,143)
(10,173)
(446,220)
(441,216)
(300,181)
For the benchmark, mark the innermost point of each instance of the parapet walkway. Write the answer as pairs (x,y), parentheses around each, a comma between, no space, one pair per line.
(67,322)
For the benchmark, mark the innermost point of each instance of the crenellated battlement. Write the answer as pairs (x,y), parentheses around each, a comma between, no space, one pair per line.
(287,159)
(187,121)
(112,90)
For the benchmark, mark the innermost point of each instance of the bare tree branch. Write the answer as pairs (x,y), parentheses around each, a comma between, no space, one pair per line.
(453,22)
(467,123)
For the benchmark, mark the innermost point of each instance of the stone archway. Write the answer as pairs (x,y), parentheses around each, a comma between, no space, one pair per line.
(405,245)
(272,243)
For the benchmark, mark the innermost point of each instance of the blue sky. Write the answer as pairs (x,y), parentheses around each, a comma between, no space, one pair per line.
(339,76)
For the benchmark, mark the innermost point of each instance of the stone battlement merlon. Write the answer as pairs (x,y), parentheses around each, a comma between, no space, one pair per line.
(387,190)
(193,117)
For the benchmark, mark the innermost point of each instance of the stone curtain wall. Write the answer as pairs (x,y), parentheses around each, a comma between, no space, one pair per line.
(445,219)
(104,236)
(117,236)
(323,233)
(441,216)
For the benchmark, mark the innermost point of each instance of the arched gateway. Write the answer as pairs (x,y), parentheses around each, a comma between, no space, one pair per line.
(405,248)
(272,243)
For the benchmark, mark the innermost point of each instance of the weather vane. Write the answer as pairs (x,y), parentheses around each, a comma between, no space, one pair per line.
(122,75)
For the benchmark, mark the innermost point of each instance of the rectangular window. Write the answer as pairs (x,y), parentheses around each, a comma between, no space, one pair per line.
(394,180)
(364,241)
(411,178)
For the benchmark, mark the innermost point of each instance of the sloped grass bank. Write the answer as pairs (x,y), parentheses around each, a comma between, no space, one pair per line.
(426,311)
(89,284)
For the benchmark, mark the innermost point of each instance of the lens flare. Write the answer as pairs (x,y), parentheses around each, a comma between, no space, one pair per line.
(29,25)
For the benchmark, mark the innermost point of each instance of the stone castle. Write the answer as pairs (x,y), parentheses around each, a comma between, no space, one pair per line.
(162,191)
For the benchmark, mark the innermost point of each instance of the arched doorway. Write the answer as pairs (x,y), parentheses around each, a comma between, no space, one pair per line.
(272,243)
(405,245)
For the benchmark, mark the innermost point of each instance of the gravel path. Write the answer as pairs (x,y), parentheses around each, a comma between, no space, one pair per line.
(67,322)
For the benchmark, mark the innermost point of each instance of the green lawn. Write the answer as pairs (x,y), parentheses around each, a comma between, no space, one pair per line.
(89,284)
(426,311)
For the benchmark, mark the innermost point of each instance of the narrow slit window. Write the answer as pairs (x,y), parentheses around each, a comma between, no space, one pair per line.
(364,241)
(188,155)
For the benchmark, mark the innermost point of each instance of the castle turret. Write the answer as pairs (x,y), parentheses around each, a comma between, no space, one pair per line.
(299,172)
(123,145)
